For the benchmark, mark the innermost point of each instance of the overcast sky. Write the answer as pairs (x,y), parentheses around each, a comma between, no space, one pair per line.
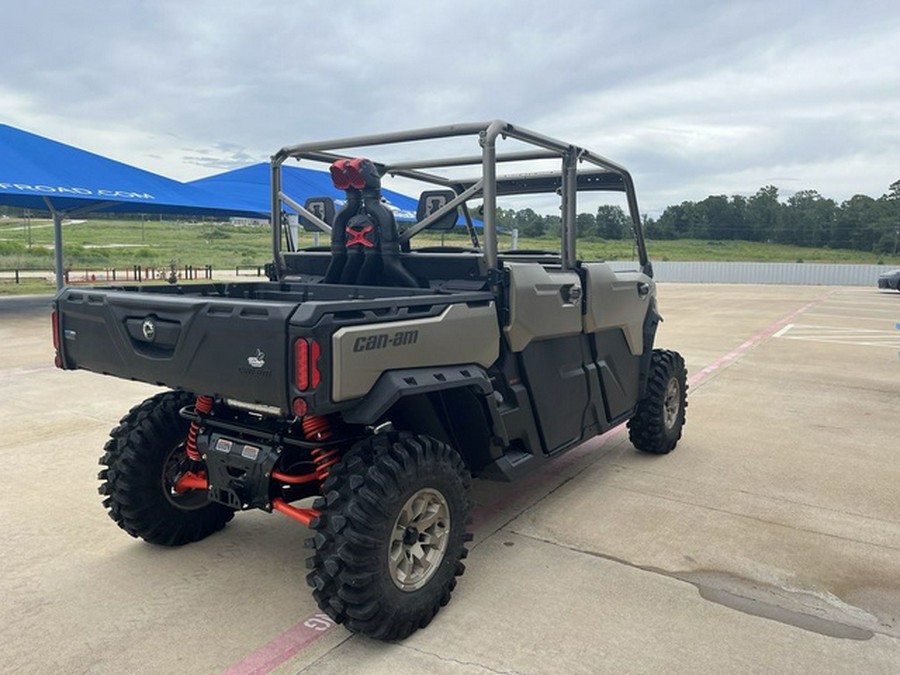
(695,98)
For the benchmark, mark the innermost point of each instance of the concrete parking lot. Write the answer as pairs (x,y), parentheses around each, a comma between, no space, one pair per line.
(769,541)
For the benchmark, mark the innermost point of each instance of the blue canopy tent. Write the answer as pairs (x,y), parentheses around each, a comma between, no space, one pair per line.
(46,175)
(253,185)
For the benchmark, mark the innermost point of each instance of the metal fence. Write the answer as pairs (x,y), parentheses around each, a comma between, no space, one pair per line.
(801,274)
(136,273)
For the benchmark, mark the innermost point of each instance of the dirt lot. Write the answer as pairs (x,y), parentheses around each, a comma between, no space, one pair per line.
(769,541)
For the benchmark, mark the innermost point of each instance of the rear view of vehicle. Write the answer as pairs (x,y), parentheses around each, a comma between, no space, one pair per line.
(890,280)
(362,387)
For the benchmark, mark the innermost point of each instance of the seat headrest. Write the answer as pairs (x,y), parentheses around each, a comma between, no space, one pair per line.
(432,200)
(322,208)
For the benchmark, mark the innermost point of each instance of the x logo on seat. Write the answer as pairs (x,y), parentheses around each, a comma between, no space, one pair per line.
(359,237)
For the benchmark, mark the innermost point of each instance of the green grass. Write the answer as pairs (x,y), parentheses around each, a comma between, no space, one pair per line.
(126,243)
(701,250)
(103,244)
(26,287)
(732,251)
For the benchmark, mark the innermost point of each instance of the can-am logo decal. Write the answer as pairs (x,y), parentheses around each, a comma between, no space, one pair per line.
(401,338)
(257,361)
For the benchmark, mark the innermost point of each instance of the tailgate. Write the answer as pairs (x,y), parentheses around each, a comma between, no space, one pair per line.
(233,348)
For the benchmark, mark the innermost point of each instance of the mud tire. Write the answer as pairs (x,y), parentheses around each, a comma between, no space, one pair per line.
(364,496)
(148,440)
(658,422)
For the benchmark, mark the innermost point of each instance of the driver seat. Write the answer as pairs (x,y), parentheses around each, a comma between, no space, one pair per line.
(365,247)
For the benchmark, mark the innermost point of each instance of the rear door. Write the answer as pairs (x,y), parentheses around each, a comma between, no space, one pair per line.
(616,306)
(544,330)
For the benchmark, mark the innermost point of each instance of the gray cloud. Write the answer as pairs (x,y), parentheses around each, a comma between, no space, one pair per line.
(695,98)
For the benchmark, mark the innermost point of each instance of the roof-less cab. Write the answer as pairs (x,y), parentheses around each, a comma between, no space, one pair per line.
(363,385)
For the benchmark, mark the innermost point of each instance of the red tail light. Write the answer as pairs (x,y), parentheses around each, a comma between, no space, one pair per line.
(298,405)
(306,364)
(55,320)
(301,364)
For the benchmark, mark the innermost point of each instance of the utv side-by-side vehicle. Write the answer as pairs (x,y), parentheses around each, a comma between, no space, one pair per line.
(374,379)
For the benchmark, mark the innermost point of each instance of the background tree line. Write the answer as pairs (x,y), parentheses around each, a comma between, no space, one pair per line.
(609,222)
(806,218)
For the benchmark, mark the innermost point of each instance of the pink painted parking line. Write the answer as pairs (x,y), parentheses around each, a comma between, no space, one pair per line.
(740,350)
(282,648)
(299,637)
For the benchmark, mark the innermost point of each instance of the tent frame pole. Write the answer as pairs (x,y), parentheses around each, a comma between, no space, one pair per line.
(57,244)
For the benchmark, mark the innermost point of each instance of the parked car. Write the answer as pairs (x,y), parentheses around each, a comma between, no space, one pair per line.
(890,280)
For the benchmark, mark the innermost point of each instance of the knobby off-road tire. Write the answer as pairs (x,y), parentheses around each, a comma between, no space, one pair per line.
(142,459)
(659,419)
(392,534)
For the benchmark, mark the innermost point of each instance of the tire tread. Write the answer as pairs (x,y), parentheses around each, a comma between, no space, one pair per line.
(349,580)
(133,457)
(646,429)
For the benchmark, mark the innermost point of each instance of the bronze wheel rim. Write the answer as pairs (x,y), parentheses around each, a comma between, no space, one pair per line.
(419,539)
(672,403)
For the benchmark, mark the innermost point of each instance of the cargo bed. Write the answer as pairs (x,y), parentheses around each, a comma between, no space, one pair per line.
(230,340)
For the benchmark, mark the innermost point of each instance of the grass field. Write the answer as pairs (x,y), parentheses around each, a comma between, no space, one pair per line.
(103,244)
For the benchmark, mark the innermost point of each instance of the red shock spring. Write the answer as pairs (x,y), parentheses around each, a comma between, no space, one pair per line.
(203,405)
(318,428)
(315,428)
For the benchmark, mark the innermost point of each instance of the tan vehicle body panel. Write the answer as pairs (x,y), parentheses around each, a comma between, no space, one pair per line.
(539,304)
(547,303)
(613,302)
(461,334)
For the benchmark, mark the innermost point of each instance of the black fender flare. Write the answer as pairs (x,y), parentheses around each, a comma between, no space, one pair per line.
(395,384)
(651,321)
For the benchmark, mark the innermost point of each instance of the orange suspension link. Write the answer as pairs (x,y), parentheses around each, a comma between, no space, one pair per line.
(316,428)
(304,516)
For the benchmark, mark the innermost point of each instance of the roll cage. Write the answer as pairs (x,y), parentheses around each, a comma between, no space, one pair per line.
(604,175)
